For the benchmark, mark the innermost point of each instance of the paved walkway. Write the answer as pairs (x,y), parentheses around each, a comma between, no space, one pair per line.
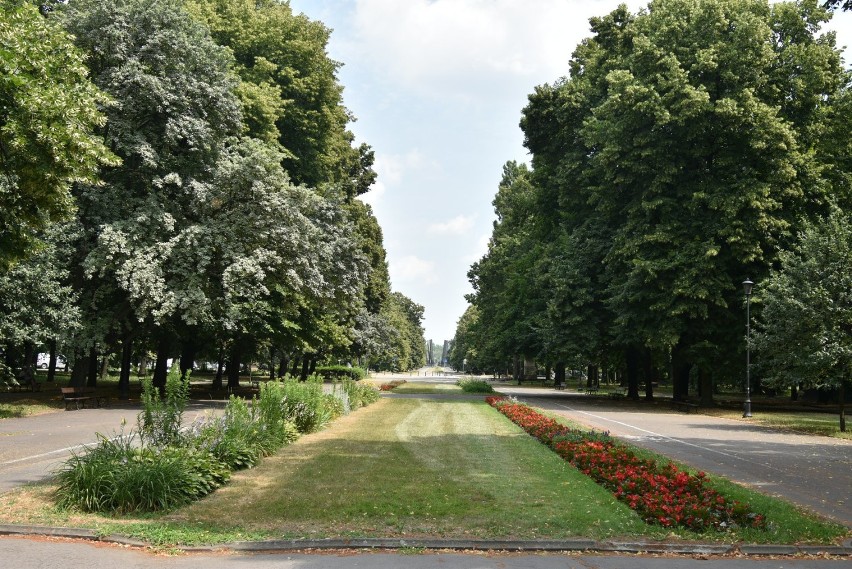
(812,471)
(31,448)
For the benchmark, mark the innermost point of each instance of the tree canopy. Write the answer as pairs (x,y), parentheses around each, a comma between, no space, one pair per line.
(49,111)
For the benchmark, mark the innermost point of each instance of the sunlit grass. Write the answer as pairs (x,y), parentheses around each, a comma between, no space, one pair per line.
(27,408)
(426,388)
(824,424)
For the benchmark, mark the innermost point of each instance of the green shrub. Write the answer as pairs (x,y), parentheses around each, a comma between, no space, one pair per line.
(475,386)
(341,372)
(360,394)
(161,417)
(115,476)
(303,404)
(334,405)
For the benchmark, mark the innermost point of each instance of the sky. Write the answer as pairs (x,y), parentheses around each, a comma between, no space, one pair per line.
(437,88)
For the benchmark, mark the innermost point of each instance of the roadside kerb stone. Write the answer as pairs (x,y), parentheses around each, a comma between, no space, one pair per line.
(589,545)
(385,543)
(650,547)
(764,549)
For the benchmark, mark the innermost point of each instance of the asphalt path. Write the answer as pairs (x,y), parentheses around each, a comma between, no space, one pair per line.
(33,448)
(811,471)
(41,553)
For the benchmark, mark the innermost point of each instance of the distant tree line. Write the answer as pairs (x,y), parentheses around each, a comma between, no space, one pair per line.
(177,178)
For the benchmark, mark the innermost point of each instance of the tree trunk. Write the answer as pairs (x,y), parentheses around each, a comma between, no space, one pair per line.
(842,396)
(124,374)
(313,368)
(234,366)
(80,370)
(295,368)
(92,380)
(283,365)
(51,367)
(271,363)
(28,367)
(794,392)
(559,377)
(161,368)
(187,358)
(104,373)
(650,373)
(306,362)
(633,372)
(680,376)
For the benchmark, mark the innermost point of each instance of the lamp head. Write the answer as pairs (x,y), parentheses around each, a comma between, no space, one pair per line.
(747,285)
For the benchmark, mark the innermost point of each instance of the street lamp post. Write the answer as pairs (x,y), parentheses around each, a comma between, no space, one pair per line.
(747,286)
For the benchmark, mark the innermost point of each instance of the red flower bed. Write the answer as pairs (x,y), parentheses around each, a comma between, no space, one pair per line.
(662,495)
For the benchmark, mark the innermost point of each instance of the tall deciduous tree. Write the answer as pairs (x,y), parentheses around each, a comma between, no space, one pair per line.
(290,91)
(686,144)
(48,113)
(175,108)
(805,332)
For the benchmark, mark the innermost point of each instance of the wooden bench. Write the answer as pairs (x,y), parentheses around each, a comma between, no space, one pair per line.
(79,395)
(591,390)
(74,395)
(685,406)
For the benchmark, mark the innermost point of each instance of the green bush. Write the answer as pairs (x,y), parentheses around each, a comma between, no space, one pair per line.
(341,372)
(334,405)
(360,394)
(475,386)
(161,417)
(115,476)
(303,404)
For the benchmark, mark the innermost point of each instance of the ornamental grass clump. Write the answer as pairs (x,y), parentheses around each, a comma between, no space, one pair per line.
(661,494)
(117,476)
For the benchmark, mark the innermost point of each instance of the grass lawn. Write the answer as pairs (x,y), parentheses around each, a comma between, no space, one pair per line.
(407,468)
(427,388)
(825,424)
(28,407)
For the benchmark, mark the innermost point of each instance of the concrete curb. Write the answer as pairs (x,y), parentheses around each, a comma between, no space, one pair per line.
(586,545)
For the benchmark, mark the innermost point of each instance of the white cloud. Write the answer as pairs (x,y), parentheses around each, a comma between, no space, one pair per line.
(374,196)
(454,46)
(480,250)
(410,268)
(458,225)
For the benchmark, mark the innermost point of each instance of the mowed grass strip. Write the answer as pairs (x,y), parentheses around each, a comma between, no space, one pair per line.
(428,388)
(415,467)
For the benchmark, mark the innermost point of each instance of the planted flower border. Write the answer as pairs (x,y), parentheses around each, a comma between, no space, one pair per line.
(661,494)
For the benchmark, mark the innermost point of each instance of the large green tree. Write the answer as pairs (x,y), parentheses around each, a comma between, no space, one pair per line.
(289,90)
(175,108)
(677,157)
(48,113)
(805,332)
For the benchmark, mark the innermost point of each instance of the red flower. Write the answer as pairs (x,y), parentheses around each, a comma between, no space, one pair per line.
(660,494)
